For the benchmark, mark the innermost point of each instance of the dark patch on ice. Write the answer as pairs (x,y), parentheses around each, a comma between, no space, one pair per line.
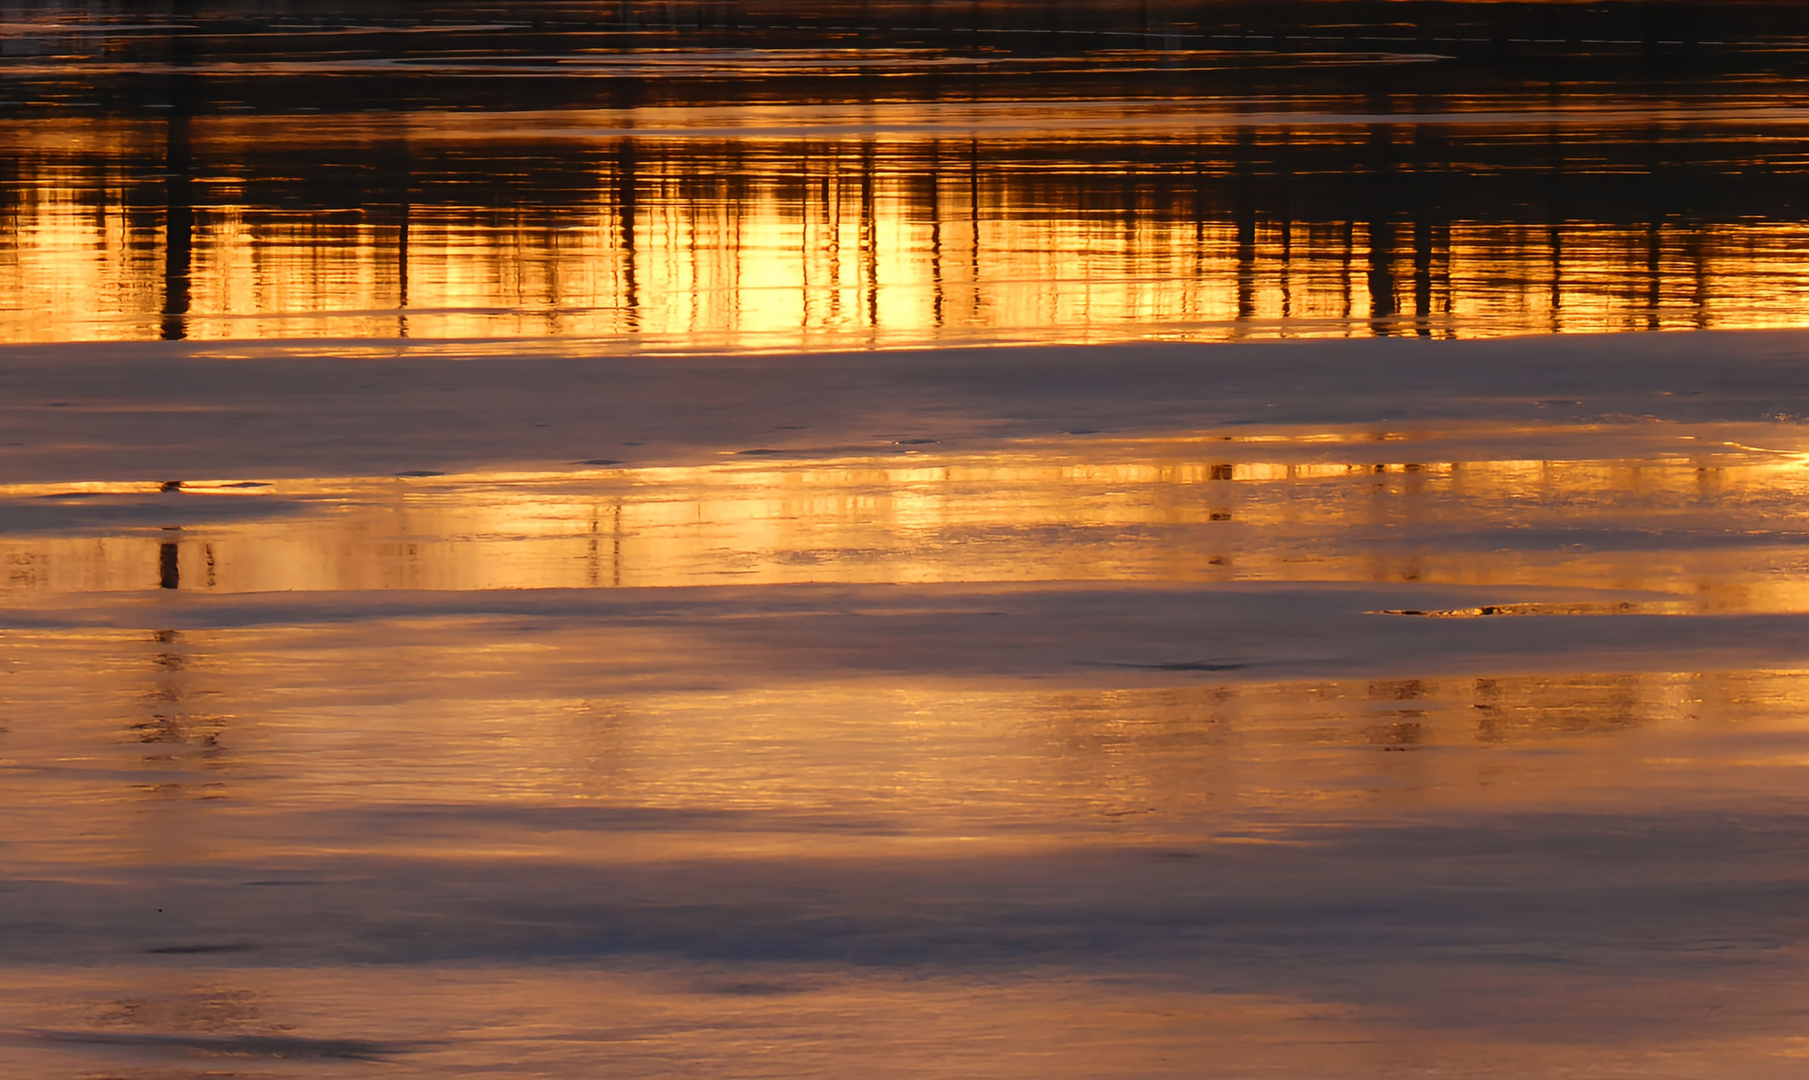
(1488,610)
(1081,431)
(761,452)
(915,442)
(199,950)
(754,989)
(271,1046)
(170,485)
(600,461)
(1182,665)
(419,473)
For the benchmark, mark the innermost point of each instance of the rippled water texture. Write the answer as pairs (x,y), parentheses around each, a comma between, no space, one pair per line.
(671,540)
(680,177)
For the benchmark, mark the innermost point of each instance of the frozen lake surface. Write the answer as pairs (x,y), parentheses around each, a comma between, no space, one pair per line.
(742,540)
(1347,708)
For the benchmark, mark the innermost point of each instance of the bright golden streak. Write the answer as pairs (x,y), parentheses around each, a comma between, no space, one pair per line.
(1132,510)
(851,252)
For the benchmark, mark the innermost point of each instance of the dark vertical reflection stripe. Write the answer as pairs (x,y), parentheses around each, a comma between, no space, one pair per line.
(626,212)
(178,174)
(169,565)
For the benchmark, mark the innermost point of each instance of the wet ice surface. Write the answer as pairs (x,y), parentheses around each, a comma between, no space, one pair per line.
(502,629)
(629,841)
(1339,709)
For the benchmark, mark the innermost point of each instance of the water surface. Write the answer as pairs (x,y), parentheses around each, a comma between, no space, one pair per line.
(686,178)
(504,570)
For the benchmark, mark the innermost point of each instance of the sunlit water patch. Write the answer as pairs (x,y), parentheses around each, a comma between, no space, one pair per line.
(1703,523)
(697,180)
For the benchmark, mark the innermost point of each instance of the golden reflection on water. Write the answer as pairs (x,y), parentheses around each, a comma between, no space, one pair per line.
(265,733)
(1711,525)
(278,767)
(792,239)
(1019,832)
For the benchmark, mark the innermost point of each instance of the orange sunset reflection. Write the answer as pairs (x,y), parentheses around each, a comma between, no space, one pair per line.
(1336,506)
(794,240)
(746,539)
